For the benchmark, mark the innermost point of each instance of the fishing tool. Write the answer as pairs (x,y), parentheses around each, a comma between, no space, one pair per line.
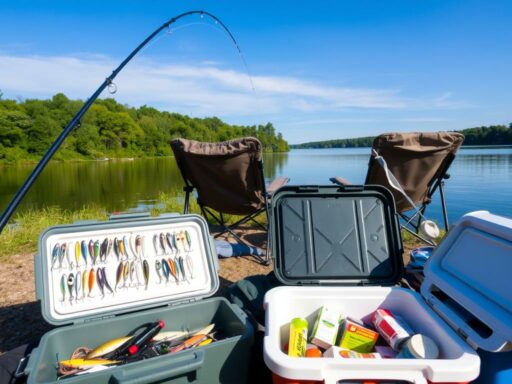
(71,284)
(162,243)
(77,253)
(145,269)
(170,336)
(126,273)
(90,248)
(125,247)
(191,342)
(158,268)
(166,269)
(119,274)
(84,251)
(141,340)
(173,270)
(63,280)
(55,254)
(155,244)
(101,281)
(168,237)
(120,245)
(103,250)
(108,347)
(96,251)
(116,248)
(85,286)
(138,269)
(105,280)
(78,284)
(91,281)
(138,246)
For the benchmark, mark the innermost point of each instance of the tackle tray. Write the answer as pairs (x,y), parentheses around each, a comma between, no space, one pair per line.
(341,246)
(179,299)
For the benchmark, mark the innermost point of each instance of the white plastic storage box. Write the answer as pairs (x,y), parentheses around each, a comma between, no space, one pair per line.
(341,247)
(94,318)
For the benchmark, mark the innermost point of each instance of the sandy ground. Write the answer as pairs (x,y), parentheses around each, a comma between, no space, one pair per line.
(20,314)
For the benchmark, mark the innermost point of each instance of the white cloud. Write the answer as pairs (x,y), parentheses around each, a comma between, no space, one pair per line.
(199,90)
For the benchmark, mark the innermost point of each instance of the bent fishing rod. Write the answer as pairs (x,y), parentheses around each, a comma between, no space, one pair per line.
(75,121)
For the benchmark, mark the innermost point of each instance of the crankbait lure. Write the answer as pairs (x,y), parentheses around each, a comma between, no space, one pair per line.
(91,250)
(85,287)
(165,269)
(85,363)
(119,273)
(103,250)
(108,347)
(71,284)
(138,246)
(101,281)
(155,244)
(126,273)
(55,254)
(116,248)
(125,247)
(96,251)
(109,249)
(105,280)
(63,280)
(145,268)
(91,281)
(120,245)
(84,251)
(173,270)
(162,243)
(77,253)
(168,237)
(158,268)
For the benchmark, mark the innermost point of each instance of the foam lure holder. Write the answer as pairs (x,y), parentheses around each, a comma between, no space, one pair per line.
(113,267)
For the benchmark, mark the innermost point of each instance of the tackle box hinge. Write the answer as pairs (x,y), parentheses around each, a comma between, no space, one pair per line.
(184,301)
(99,318)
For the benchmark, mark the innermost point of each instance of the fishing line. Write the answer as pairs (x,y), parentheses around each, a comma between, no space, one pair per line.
(75,122)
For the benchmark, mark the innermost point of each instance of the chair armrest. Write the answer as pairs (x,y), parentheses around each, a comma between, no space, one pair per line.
(277,183)
(340,180)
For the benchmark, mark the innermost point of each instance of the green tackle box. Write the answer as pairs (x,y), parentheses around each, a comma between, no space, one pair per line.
(92,319)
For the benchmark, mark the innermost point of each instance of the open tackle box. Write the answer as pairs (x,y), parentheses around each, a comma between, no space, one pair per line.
(139,294)
(341,247)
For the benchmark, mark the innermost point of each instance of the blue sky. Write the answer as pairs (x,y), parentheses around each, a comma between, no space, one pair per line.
(321,70)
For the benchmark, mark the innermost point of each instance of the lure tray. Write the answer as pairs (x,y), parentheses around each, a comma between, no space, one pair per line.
(341,247)
(97,315)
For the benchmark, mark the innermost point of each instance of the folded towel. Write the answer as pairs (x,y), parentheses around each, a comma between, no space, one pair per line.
(227,249)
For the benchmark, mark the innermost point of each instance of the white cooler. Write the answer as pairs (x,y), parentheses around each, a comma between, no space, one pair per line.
(341,247)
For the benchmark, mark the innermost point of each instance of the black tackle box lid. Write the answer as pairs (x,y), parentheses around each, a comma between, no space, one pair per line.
(332,235)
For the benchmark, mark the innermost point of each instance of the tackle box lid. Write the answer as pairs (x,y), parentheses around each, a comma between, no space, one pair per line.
(332,235)
(204,281)
(467,280)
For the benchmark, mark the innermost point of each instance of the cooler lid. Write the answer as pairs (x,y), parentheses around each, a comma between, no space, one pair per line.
(332,235)
(467,280)
(58,307)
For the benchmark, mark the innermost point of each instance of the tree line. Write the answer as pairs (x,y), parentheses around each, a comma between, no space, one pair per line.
(110,129)
(485,135)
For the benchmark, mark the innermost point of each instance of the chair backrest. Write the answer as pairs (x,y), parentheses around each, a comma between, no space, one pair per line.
(417,160)
(228,176)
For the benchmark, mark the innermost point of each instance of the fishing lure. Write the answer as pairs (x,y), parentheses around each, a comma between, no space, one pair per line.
(189,241)
(108,347)
(155,244)
(62,253)
(71,284)
(91,250)
(85,363)
(55,254)
(194,340)
(138,246)
(145,269)
(77,253)
(170,336)
(119,273)
(138,267)
(168,237)
(109,249)
(91,281)
(173,270)
(126,273)
(105,280)
(70,263)
(175,242)
(190,265)
(85,287)
(78,284)
(125,247)
(103,250)
(63,280)
(132,272)
(120,245)
(165,269)
(162,244)
(101,282)
(116,248)
(158,268)
(84,251)
(181,267)
(96,251)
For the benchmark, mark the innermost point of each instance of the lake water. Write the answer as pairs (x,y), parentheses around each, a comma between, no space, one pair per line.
(481,178)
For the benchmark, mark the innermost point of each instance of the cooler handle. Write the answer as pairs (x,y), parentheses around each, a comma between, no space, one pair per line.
(159,370)
(333,377)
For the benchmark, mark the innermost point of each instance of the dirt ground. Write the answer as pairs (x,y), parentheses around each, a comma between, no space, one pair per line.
(20,314)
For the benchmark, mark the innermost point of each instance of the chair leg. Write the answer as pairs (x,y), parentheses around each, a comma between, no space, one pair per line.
(429,242)
(443,205)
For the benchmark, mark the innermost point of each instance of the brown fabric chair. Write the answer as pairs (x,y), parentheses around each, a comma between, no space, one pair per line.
(228,177)
(420,162)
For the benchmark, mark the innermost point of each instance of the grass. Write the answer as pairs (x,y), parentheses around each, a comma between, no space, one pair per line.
(22,236)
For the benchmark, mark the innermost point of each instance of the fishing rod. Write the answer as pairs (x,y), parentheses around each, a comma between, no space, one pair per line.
(75,121)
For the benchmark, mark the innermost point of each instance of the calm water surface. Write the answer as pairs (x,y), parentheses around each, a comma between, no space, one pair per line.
(481,178)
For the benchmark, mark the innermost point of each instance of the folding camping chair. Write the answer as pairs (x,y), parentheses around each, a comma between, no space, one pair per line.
(228,178)
(419,161)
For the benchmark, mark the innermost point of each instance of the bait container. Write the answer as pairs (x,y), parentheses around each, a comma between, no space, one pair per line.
(341,247)
(92,321)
